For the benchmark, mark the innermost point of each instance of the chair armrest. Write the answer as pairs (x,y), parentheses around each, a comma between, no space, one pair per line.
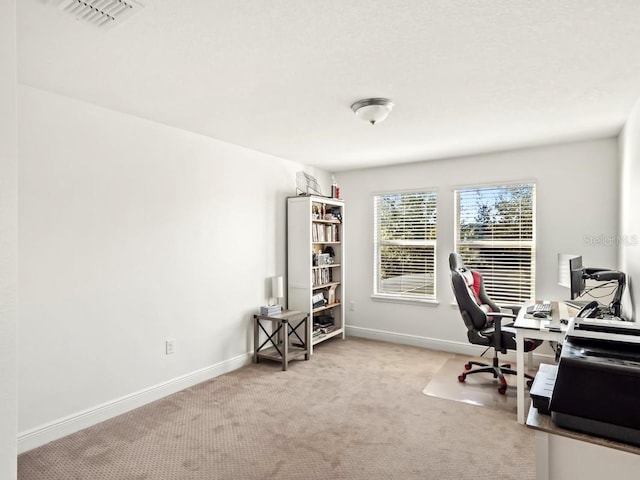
(514,308)
(497,327)
(500,315)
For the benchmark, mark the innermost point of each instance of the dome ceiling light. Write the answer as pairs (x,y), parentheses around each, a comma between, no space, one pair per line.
(372,110)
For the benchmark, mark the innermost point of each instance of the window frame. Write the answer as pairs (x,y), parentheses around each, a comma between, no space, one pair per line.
(402,297)
(492,242)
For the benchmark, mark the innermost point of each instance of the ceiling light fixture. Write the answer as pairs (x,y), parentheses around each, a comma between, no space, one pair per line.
(372,110)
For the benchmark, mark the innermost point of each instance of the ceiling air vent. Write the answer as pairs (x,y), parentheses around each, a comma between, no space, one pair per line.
(100,13)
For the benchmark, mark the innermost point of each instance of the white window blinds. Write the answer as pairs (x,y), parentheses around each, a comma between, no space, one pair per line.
(405,245)
(495,234)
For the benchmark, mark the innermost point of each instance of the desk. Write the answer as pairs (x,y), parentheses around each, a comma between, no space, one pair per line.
(562,454)
(277,346)
(534,328)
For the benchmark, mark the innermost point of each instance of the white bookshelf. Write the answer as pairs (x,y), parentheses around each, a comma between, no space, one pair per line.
(313,224)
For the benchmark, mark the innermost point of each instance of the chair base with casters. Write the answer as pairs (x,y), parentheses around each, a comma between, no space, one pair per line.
(498,371)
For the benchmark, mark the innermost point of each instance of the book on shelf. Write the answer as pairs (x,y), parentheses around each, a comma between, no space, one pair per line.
(323,330)
(331,295)
(321,276)
(324,233)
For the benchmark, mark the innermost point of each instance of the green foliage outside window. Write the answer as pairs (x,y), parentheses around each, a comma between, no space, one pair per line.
(405,244)
(495,235)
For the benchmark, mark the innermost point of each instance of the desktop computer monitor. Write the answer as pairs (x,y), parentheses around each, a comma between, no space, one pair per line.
(571,274)
(577,283)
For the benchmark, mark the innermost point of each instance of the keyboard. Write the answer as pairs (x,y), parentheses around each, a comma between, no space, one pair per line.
(544,307)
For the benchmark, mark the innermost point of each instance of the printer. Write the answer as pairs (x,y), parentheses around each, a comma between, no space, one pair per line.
(597,387)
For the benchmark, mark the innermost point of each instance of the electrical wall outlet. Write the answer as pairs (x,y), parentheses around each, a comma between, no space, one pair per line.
(170,347)
(352,306)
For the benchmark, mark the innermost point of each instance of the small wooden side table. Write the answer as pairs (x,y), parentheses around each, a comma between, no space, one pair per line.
(286,327)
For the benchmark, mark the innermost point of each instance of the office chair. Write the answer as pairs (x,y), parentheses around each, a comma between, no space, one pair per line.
(484,322)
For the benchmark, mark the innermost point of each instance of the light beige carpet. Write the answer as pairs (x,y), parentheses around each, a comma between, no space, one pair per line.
(354,411)
(479,389)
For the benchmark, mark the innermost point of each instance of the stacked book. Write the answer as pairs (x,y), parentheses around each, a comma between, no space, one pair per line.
(321,331)
(323,325)
(271,310)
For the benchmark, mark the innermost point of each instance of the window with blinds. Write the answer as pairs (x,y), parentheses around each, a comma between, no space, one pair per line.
(405,245)
(495,234)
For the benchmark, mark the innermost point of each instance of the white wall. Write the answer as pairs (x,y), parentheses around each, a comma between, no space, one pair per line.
(569,217)
(8,240)
(629,211)
(131,233)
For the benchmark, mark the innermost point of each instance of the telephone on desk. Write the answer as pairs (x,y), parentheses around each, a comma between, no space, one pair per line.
(590,310)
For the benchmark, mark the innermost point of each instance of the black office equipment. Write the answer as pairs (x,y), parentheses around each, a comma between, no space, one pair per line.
(598,380)
(483,320)
(542,387)
(607,330)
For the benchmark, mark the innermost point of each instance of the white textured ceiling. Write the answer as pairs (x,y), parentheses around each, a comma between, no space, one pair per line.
(279,76)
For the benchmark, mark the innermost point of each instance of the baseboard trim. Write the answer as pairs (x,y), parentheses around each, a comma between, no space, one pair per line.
(43,434)
(434,343)
(415,340)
